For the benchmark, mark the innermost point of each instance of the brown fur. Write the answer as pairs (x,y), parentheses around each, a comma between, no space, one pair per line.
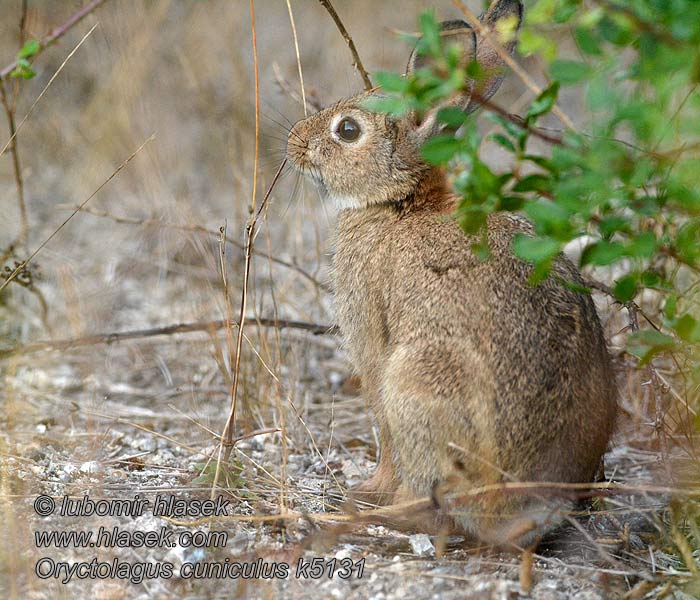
(474,375)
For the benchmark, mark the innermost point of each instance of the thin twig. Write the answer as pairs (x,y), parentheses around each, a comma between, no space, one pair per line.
(20,267)
(10,108)
(57,33)
(200,229)
(227,434)
(312,102)
(121,336)
(517,120)
(508,59)
(357,63)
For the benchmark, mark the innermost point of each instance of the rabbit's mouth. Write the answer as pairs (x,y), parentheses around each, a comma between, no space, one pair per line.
(300,161)
(298,155)
(308,169)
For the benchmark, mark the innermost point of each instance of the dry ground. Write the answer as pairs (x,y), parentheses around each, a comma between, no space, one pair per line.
(143,416)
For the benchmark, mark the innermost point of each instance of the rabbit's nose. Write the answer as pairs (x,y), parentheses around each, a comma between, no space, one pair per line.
(297,147)
(297,138)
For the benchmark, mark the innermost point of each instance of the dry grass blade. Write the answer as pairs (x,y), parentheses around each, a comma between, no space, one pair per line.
(19,268)
(227,434)
(296,50)
(46,87)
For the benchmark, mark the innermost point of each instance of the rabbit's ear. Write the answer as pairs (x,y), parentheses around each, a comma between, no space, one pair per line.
(502,21)
(454,32)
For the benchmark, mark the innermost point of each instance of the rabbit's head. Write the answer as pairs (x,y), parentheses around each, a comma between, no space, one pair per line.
(360,158)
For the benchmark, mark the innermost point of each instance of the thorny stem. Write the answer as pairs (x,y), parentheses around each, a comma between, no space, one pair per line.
(57,33)
(24,223)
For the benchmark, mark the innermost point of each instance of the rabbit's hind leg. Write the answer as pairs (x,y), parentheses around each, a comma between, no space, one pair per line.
(436,399)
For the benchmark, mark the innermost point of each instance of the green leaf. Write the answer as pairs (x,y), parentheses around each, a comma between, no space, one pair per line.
(608,226)
(626,288)
(503,141)
(511,203)
(643,246)
(550,219)
(587,42)
(687,328)
(23,69)
(440,149)
(391,105)
(430,41)
(533,183)
(392,82)
(671,306)
(565,9)
(602,253)
(544,102)
(512,129)
(569,72)
(471,218)
(615,31)
(29,49)
(535,250)
(648,343)
(452,116)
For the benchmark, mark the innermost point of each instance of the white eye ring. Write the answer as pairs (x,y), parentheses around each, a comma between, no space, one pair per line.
(346,129)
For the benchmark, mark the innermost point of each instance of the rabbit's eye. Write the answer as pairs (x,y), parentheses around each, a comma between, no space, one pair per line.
(348,130)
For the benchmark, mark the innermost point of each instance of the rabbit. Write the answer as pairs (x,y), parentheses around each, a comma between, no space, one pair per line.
(475,376)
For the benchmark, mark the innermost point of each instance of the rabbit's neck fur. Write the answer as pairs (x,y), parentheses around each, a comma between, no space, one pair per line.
(365,239)
(430,193)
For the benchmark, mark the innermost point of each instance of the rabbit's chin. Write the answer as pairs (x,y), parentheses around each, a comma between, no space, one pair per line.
(341,201)
(345,202)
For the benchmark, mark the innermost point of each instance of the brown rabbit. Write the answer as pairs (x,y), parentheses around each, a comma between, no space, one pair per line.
(475,376)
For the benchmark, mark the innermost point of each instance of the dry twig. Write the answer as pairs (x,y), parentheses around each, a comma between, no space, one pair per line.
(356,62)
(120,336)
